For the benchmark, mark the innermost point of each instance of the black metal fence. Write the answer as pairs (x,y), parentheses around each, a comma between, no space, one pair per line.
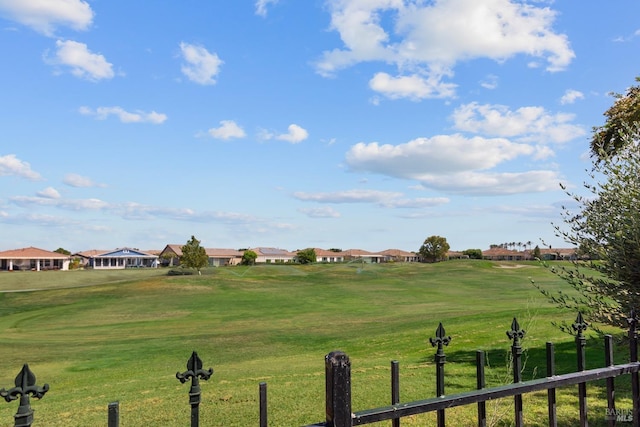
(338,386)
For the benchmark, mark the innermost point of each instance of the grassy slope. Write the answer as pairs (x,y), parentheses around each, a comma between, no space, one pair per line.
(125,337)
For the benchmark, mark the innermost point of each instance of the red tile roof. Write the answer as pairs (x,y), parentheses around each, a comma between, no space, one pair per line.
(31,253)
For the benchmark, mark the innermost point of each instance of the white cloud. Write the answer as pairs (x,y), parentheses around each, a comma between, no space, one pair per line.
(102,113)
(228,129)
(296,134)
(83,63)
(78,181)
(45,15)
(427,39)
(11,165)
(414,86)
(440,155)
(49,193)
(571,96)
(525,123)
(386,199)
(454,163)
(261,6)
(491,184)
(321,212)
(348,196)
(201,66)
(490,82)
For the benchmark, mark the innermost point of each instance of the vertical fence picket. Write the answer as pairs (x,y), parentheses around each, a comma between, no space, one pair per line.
(633,356)
(263,404)
(440,340)
(194,372)
(480,384)
(395,389)
(611,393)
(551,393)
(516,334)
(580,326)
(113,412)
(338,389)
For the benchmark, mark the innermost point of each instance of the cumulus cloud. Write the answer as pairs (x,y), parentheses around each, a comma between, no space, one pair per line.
(45,16)
(571,96)
(102,113)
(78,181)
(454,163)
(492,184)
(425,40)
(200,65)
(525,123)
(228,129)
(10,165)
(294,135)
(83,63)
(414,87)
(49,193)
(321,212)
(261,6)
(441,154)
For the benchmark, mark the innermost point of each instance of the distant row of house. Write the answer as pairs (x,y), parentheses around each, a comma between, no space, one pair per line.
(39,259)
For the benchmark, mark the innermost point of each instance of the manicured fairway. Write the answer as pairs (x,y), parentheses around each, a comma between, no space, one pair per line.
(98,337)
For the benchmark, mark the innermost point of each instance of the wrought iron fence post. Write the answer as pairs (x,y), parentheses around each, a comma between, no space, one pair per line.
(195,372)
(581,342)
(551,393)
(440,340)
(338,389)
(395,388)
(611,391)
(263,404)
(113,411)
(480,384)
(633,353)
(25,385)
(516,334)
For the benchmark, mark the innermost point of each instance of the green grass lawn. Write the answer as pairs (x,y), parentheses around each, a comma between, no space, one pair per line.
(98,337)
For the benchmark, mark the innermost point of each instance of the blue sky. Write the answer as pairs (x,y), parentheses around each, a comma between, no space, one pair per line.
(368,124)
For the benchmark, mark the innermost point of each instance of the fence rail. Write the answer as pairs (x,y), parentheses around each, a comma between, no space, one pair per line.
(338,410)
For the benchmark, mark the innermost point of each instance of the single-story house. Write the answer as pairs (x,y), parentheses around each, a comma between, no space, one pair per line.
(33,259)
(398,255)
(273,255)
(222,257)
(170,256)
(119,259)
(364,256)
(323,255)
(501,254)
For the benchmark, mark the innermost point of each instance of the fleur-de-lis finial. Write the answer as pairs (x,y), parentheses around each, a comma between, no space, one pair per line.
(441,338)
(516,334)
(194,370)
(579,326)
(25,385)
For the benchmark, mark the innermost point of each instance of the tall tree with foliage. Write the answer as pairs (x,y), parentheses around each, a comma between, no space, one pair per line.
(194,255)
(606,228)
(614,135)
(306,256)
(434,248)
